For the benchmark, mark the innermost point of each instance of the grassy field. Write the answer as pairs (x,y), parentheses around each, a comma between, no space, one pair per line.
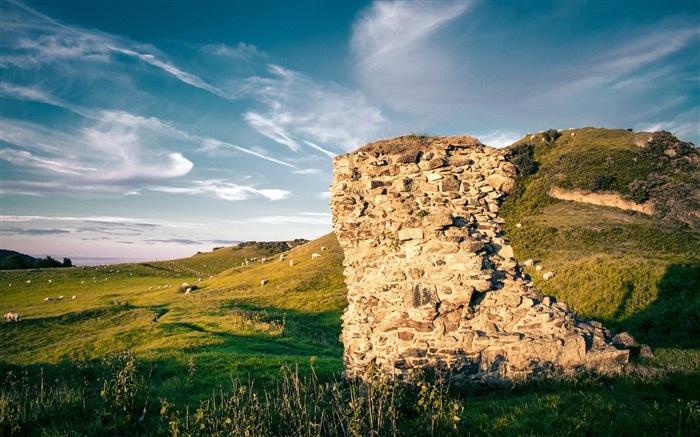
(133,354)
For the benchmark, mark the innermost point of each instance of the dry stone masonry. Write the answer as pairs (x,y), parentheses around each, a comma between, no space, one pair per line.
(431,280)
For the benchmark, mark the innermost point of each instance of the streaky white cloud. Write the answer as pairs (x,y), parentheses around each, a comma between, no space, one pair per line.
(620,65)
(400,60)
(321,149)
(209,144)
(128,119)
(273,127)
(103,157)
(299,110)
(324,195)
(308,218)
(239,52)
(179,74)
(220,189)
(307,171)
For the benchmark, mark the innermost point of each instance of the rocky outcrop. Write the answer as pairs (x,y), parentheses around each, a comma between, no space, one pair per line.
(614,200)
(431,278)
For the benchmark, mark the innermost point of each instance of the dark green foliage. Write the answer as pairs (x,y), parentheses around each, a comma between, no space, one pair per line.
(522,156)
(14,262)
(601,182)
(550,135)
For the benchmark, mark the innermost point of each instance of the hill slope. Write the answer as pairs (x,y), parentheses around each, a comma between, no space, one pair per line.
(628,269)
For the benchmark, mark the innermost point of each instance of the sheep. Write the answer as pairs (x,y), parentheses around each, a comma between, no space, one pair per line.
(200,280)
(28,281)
(324,248)
(50,281)
(291,263)
(60,297)
(549,275)
(529,262)
(48,299)
(263,260)
(12,316)
(74,297)
(185,285)
(283,257)
(539,268)
(246,262)
(188,291)
(263,282)
(315,256)
(518,225)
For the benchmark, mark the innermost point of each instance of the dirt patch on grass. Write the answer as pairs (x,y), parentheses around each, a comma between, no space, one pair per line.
(601,199)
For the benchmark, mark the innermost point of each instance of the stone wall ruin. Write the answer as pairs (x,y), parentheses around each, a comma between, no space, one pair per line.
(431,279)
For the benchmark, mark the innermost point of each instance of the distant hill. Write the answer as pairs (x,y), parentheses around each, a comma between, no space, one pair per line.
(14,259)
(11,260)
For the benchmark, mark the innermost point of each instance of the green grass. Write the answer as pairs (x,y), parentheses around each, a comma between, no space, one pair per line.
(229,325)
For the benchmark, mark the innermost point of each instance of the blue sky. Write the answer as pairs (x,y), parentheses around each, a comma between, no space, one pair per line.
(156,129)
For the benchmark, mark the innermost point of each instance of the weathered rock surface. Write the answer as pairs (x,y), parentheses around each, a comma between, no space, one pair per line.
(431,278)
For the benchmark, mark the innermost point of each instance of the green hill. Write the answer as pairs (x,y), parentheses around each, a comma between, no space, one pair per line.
(229,324)
(632,271)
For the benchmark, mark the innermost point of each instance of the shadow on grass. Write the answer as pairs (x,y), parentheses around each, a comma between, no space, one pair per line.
(673,318)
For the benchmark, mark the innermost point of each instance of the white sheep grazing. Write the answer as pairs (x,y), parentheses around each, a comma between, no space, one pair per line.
(283,257)
(185,285)
(48,299)
(263,282)
(188,291)
(50,281)
(315,256)
(324,248)
(529,262)
(263,260)
(60,297)
(74,297)
(246,262)
(539,268)
(518,225)
(29,281)
(12,317)
(549,275)
(291,263)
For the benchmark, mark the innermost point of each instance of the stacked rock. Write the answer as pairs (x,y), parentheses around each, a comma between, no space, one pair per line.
(431,278)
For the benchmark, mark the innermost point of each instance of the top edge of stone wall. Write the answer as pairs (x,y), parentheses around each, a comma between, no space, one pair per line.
(416,143)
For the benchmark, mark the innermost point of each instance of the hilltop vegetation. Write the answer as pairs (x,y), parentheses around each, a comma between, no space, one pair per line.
(134,354)
(11,260)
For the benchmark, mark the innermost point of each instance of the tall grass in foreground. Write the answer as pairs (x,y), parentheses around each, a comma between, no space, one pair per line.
(114,396)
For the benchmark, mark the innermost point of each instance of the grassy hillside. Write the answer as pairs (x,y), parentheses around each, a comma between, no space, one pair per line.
(229,325)
(632,271)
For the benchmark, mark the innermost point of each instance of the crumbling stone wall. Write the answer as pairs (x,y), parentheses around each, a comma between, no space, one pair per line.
(431,279)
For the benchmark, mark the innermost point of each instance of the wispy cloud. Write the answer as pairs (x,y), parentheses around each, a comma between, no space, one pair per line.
(171,69)
(220,189)
(103,157)
(309,218)
(400,60)
(13,230)
(298,110)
